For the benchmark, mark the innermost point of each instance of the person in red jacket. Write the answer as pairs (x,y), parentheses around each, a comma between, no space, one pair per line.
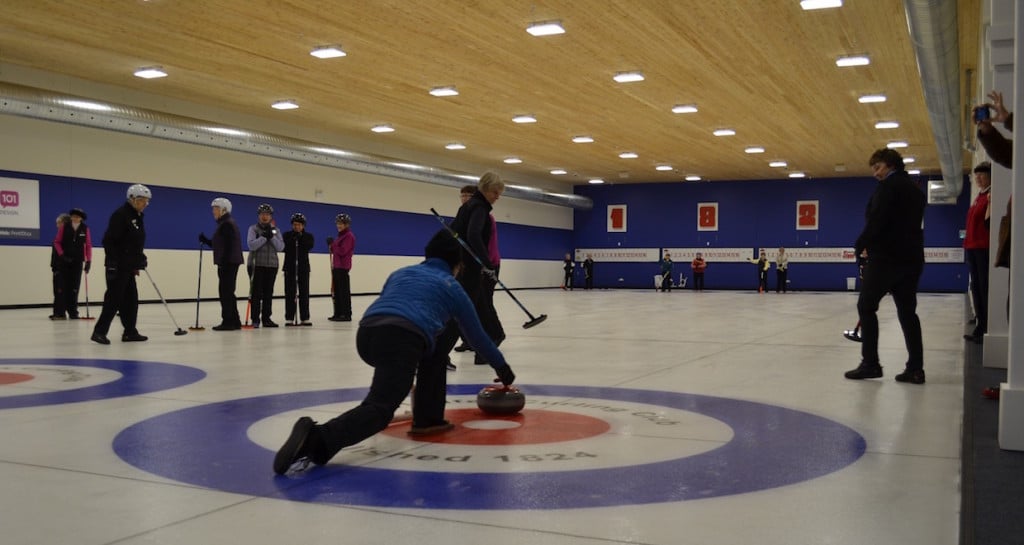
(976,249)
(73,245)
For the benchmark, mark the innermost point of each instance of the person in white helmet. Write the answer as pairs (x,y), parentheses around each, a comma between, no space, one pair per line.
(123,245)
(227,256)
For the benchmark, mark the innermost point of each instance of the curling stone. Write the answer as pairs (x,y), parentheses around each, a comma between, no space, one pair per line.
(500,400)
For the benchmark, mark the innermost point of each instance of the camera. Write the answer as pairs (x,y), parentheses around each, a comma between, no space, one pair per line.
(981,113)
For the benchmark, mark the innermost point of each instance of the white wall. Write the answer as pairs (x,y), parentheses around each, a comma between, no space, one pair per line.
(58,149)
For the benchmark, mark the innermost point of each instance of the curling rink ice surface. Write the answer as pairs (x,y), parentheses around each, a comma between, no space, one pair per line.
(651,418)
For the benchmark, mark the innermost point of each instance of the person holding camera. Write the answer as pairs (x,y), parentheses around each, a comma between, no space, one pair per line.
(123,245)
(265,241)
(227,256)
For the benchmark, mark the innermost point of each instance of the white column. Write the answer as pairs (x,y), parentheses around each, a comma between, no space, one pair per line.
(1011,402)
(998,76)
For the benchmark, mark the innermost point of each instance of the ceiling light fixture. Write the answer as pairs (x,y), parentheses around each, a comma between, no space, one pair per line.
(558,171)
(628,155)
(684,109)
(663,167)
(887,125)
(513,160)
(327,52)
(797,175)
(547,28)
(908,160)
(284,105)
(449,91)
(870,99)
(524,119)
(582,139)
(913,172)
(754,149)
(595,181)
(693,178)
(724,132)
(853,60)
(820,4)
(777,164)
(897,144)
(151,72)
(382,128)
(628,77)
(455,146)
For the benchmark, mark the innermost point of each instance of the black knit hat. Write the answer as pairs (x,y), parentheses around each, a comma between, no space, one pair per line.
(444,246)
(984,167)
(78,212)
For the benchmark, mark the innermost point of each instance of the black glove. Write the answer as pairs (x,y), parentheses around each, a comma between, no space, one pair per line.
(330,241)
(88,265)
(204,240)
(489,273)
(505,375)
(144,264)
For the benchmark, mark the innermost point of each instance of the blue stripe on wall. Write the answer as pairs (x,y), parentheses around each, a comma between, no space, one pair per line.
(176,216)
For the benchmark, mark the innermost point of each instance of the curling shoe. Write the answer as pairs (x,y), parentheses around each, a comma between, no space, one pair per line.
(269,323)
(864,371)
(133,338)
(296,447)
(913,376)
(99,338)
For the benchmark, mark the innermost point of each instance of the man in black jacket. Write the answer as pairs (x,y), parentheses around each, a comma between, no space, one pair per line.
(227,256)
(123,245)
(893,242)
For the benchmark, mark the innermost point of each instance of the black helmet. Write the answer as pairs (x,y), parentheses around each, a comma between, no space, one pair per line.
(265,209)
(78,212)
(298,217)
(342,218)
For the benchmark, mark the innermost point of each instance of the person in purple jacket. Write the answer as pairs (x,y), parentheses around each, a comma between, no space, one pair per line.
(403,336)
(227,256)
(342,249)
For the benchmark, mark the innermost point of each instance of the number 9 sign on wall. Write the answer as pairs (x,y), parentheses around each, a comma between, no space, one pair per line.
(616,218)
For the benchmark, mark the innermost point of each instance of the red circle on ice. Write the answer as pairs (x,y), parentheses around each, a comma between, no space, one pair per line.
(529,427)
(14,378)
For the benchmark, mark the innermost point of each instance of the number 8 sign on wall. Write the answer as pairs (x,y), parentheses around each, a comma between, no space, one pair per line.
(707,216)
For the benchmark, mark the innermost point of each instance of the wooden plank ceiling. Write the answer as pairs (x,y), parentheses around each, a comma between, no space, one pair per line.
(763,68)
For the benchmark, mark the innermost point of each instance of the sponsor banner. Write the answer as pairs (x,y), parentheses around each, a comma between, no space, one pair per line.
(944,255)
(608,255)
(711,255)
(19,208)
(616,218)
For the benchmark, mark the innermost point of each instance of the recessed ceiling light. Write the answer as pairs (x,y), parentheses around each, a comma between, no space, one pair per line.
(887,125)
(582,139)
(558,171)
(85,105)
(229,132)
(455,146)
(663,167)
(777,164)
(513,160)
(524,119)
(797,175)
(150,72)
(853,60)
(724,132)
(284,105)
(869,99)
(754,149)
(897,144)
(820,4)
(382,128)
(693,178)
(628,77)
(449,91)
(684,109)
(595,181)
(327,52)
(628,155)
(548,28)
(908,160)
(913,172)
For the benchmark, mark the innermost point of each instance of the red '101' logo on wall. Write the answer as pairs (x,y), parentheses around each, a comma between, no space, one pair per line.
(8,198)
